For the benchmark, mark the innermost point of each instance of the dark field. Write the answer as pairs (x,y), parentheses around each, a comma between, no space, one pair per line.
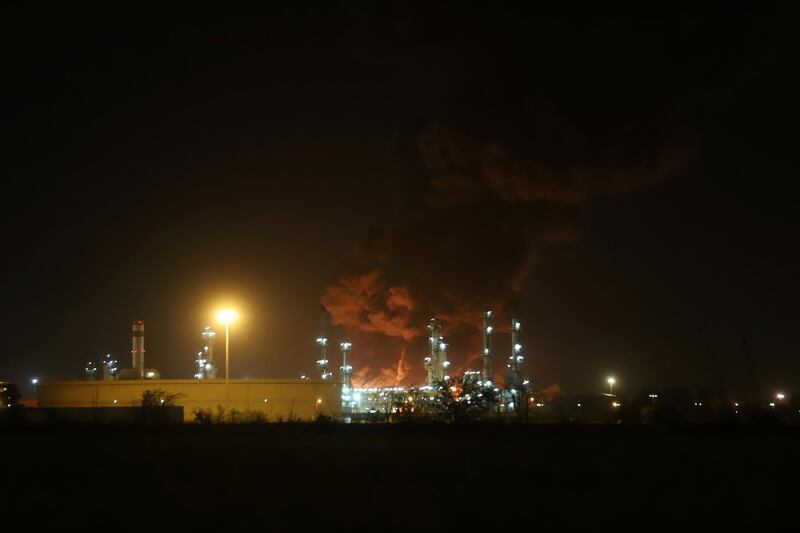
(303,477)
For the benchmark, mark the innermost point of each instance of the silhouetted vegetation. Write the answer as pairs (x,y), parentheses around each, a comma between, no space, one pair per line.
(160,398)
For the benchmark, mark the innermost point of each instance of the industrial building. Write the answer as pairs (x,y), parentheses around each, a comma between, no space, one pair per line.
(514,396)
(276,399)
(300,399)
(283,399)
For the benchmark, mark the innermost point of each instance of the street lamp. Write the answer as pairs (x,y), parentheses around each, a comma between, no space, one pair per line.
(227,316)
(35,383)
(611,382)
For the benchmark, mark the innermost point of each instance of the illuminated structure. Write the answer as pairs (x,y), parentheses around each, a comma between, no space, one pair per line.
(138,371)
(513,379)
(90,371)
(322,343)
(110,369)
(347,384)
(487,347)
(436,363)
(137,349)
(206,369)
(272,398)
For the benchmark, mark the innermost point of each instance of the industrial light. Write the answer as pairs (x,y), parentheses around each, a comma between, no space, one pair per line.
(227,315)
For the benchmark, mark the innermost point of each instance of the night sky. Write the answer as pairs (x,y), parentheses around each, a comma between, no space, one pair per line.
(620,181)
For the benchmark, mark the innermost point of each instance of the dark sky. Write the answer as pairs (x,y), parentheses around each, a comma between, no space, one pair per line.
(620,181)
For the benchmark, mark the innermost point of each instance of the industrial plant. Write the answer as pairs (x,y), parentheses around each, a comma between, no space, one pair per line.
(513,397)
(107,385)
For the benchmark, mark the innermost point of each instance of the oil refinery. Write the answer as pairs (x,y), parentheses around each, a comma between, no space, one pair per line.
(106,385)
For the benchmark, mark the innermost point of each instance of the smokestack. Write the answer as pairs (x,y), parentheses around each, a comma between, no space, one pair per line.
(137,351)
(487,347)
(516,358)
(322,342)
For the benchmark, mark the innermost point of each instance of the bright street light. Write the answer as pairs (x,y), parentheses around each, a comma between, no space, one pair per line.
(780,396)
(227,316)
(611,382)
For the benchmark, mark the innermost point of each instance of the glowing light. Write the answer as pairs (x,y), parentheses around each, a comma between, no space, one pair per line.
(488,329)
(115,401)
(227,316)
(319,401)
(611,381)
(35,381)
(780,396)
(772,404)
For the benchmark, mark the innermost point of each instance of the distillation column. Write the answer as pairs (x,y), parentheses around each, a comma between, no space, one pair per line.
(206,369)
(322,343)
(347,385)
(487,347)
(513,380)
(436,363)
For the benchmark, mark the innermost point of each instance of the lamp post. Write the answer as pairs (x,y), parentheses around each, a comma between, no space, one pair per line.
(611,382)
(227,316)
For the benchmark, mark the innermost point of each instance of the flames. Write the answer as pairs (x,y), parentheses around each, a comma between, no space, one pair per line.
(384,322)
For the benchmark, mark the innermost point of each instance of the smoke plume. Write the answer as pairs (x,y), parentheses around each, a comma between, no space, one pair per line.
(469,239)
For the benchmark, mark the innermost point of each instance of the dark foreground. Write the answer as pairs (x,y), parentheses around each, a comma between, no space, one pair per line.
(281,477)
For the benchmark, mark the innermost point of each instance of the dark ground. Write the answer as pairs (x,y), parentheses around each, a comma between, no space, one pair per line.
(280,477)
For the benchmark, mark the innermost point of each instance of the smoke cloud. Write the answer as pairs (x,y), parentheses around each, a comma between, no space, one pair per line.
(469,239)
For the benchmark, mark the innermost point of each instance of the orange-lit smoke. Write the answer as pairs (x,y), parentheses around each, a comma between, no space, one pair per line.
(365,303)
